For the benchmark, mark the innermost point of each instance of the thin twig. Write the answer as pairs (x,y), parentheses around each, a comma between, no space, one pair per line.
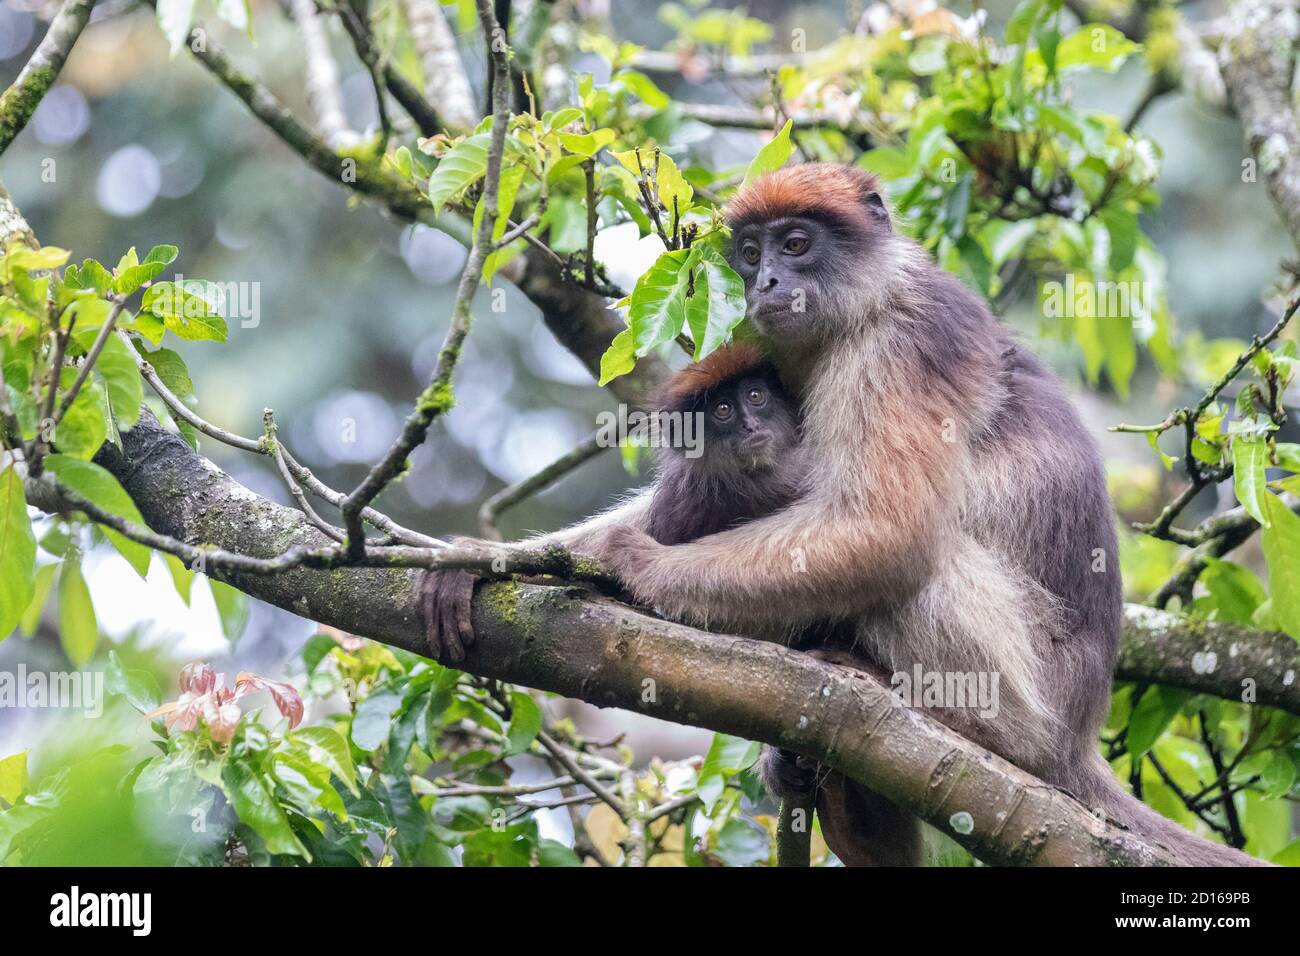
(272,444)
(92,356)
(437,399)
(22,97)
(323,90)
(302,474)
(511,495)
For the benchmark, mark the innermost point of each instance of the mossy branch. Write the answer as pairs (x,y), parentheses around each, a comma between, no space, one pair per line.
(20,100)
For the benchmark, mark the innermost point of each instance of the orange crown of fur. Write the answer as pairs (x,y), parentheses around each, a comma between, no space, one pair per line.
(820,190)
(714,370)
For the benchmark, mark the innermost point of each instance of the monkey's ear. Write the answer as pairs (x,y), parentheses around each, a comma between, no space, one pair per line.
(876,208)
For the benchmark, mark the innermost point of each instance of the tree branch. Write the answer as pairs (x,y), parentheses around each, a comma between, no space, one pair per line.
(570,641)
(445,80)
(437,399)
(1213,657)
(370,178)
(323,90)
(19,102)
(1258,58)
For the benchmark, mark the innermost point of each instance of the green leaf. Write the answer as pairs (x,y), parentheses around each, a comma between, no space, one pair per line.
(587,144)
(31,618)
(13,777)
(172,370)
(1279,775)
(975,268)
(1048,39)
(1249,478)
(1094,46)
(1123,228)
(644,89)
(619,358)
(772,156)
(674,192)
(307,784)
(1116,334)
(742,843)
(1233,592)
(121,377)
(1281,541)
(1151,715)
(232,608)
(17,552)
(78,629)
(131,278)
(525,723)
(162,253)
(326,746)
(554,853)
(373,715)
(182,577)
(464,165)
(717,304)
(562,118)
(255,805)
(85,425)
(97,486)
(727,756)
(147,325)
(47,257)
(138,686)
(507,189)
(189,309)
(91,275)
(657,306)
(1022,21)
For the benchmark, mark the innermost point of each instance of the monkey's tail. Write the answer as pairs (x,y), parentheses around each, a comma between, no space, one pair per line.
(1136,816)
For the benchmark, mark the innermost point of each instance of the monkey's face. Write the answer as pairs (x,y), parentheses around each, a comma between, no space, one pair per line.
(748,426)
(792,267)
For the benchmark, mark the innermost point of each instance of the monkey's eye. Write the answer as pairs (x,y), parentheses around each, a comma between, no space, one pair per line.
(750,252)
(796,244)
(723,411)
(756,396)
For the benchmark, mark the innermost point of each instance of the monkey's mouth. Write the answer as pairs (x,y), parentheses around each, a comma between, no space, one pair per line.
(758,449)
(767,309)
(772,317)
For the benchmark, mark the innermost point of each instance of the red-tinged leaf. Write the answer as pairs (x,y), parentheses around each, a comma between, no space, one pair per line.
(285,695)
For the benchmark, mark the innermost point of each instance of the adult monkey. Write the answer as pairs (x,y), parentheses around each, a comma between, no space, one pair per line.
(954,508)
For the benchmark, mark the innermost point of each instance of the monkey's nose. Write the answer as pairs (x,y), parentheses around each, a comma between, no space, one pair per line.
(766,283)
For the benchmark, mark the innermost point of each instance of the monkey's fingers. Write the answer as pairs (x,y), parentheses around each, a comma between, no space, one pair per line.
(788,775)
(446,600)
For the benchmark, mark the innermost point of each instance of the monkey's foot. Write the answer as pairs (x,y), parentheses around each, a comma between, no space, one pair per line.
(445,601)
(788,775)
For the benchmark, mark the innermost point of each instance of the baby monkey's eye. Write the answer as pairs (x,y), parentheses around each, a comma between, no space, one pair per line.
(756,396)
(750,252)
(796,244)
(723,411)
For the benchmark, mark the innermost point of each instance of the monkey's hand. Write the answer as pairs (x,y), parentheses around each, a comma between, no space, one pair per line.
(445,601)
(788,775)
(630,553)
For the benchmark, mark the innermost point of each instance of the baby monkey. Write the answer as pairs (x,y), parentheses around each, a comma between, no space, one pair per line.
(746,466)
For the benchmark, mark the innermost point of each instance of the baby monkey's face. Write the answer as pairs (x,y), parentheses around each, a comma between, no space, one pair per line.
(749,425)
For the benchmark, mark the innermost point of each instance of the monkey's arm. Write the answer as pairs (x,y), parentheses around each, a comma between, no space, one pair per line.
(590,536)
(446,596)
(809,561)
